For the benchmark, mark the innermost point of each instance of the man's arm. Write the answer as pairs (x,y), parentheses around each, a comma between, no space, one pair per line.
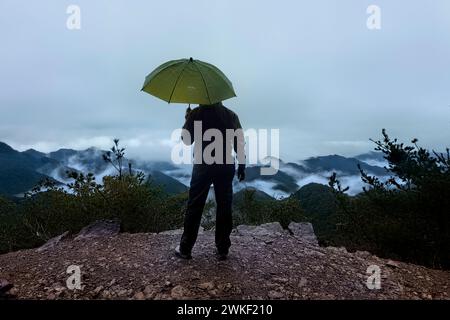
(239,147)
(239,141)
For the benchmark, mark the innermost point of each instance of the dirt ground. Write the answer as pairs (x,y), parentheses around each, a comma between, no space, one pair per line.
(276,266)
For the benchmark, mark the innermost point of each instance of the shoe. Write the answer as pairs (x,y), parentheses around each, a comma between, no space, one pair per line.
(181,255)
(221,256)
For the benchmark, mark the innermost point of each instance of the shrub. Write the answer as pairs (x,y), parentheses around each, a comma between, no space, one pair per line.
(253,211)
(49,209)
(407,216)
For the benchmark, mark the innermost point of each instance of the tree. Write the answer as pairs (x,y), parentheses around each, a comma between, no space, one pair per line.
(408,214)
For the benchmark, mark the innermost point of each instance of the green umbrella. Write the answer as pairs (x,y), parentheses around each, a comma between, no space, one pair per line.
(188,81)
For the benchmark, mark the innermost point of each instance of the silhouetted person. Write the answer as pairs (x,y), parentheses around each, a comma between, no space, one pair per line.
(218,170)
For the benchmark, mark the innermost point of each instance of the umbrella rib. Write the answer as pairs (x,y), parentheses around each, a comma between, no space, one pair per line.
(176,82)
(147,83)
(204,82)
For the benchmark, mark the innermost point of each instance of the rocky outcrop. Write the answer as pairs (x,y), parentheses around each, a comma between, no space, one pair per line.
(179,232)
(264,230)
(101,228)
(265,262)
(305,231)
(53,242)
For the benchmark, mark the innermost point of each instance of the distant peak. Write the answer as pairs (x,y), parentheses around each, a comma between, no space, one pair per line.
(92,149)
(5,148)
(269,159)
(34,152)
(64,150)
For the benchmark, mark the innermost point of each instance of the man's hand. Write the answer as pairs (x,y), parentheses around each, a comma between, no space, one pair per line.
(241,172)
(188,111)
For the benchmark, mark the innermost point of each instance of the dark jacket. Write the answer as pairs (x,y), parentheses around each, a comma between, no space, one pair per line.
(217,117)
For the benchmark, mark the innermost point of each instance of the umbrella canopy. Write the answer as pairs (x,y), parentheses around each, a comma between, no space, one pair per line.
(188,81)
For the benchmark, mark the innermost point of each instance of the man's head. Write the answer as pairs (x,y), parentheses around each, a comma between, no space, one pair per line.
(211,105)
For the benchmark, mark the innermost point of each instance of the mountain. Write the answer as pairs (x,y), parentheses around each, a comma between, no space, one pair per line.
(4,148)
(316,199)
(19,171)
(346,166)
(319,205)
(281,181)
(162,166)
(62,154)
(22,170)
(238,197)
(168,184)
(89,160)
(293,175)
(34,153)
(373,158)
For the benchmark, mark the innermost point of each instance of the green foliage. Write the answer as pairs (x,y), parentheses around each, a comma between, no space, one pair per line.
(6,206)
(116,157)
(319,205)
(141,207)
(49,210)
(167,184)
(209,215)
(14,234)
(407,216)
(142,204)
(253,210)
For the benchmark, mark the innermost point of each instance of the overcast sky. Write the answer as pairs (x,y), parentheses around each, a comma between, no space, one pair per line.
(310,68)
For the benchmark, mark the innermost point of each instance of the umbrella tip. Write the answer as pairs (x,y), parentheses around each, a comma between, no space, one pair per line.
(190,59)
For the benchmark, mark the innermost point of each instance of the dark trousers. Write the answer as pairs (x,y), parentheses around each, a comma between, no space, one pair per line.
(221,176)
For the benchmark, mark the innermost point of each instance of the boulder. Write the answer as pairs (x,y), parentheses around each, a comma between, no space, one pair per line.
(274,227)
(177,232)
(305,231)
(101,228)
(53,242)
(267,229)
(393,264)
(174,232)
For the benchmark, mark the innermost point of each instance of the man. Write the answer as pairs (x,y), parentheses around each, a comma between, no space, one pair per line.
(212,166)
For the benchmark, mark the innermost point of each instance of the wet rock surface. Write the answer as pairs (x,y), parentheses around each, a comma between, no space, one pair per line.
(305,231)
(101,228)
(264,263)
(53,242)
